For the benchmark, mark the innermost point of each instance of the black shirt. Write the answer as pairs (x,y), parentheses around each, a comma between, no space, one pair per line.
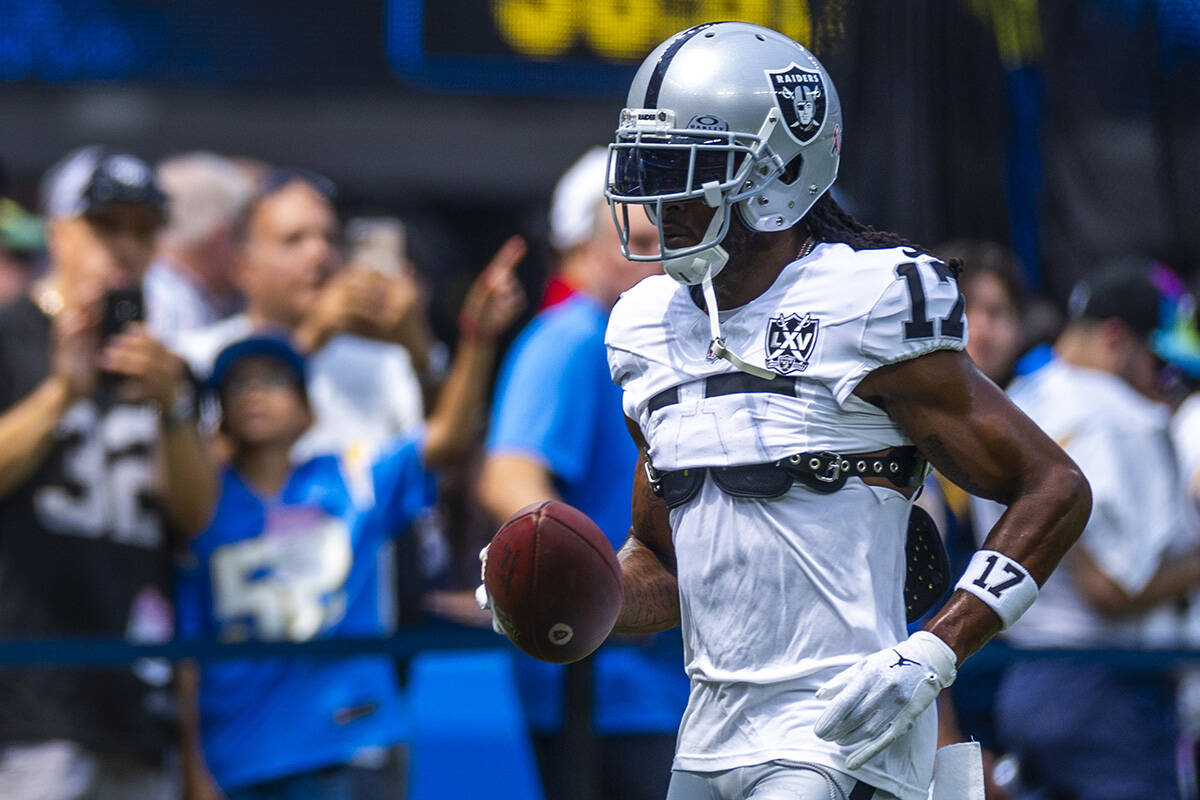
(82,553)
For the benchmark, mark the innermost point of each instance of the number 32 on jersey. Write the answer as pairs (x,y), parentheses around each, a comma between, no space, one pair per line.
(921,326)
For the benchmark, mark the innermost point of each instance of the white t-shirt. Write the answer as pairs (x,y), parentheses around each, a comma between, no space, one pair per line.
(362,392)
(779,595)
(1119,440)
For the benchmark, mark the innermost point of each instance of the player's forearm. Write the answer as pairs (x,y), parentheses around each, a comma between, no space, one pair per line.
(1044,520)
(651,592)
(1041,523)
(452,425)
(27,431)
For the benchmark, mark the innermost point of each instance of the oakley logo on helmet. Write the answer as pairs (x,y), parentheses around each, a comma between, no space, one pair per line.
(791,340)
(707,122)
(800,95)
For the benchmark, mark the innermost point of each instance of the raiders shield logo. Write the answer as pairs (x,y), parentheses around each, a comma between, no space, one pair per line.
(800,95)
(790,342)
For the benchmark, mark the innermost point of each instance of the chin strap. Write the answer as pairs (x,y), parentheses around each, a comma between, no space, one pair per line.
(717,348)
(694,267)
(701,267)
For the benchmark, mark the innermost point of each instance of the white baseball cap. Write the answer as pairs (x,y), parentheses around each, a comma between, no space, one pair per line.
(576,199)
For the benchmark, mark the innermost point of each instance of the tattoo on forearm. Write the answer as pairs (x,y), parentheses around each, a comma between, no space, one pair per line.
(939,455)
(651,594)
(649,606)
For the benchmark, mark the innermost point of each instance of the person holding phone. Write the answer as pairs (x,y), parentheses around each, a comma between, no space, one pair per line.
(344,317)
(97,439)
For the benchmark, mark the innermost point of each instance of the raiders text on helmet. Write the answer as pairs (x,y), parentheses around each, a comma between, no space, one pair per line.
(733,114)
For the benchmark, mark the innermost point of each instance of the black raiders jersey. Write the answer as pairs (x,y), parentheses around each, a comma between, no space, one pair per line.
(82,553)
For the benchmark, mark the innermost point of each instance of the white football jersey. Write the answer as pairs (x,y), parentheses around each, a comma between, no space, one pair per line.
(778,595)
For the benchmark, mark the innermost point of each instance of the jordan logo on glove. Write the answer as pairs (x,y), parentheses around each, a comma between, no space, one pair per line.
(871,706)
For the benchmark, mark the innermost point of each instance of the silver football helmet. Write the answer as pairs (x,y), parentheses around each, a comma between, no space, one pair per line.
(733,114)
(738,116)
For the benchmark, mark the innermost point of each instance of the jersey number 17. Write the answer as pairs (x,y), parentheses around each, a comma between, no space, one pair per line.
(921,326)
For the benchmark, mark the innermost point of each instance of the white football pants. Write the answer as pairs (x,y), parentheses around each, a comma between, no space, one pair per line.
(771,781)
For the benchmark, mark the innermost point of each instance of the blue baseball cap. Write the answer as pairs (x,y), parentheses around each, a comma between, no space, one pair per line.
(271,346)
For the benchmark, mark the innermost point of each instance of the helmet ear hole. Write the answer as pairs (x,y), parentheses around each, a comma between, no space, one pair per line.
(792,171)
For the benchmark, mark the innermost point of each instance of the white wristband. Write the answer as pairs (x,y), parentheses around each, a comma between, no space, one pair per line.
(1000,582)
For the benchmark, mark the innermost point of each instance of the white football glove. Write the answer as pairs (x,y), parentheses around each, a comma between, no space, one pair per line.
(481,594)
(877,700)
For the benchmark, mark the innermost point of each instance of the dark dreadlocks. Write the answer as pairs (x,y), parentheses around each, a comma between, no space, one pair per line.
(829,222)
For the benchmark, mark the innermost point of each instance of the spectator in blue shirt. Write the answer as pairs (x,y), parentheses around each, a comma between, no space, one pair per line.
(558,432)
(289,554)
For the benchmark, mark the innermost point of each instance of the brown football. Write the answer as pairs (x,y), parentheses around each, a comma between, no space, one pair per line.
(554,582)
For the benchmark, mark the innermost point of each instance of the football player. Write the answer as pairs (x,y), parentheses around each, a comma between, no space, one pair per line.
(787,382)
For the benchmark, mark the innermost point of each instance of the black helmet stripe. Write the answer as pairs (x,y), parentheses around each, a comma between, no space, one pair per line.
(664,61)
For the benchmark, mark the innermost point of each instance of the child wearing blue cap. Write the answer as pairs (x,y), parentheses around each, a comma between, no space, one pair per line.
(290,555)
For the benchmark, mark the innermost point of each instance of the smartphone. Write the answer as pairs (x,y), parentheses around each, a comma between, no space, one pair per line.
(378,243)
(121,307)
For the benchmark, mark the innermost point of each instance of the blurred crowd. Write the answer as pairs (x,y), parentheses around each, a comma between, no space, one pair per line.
(224,415)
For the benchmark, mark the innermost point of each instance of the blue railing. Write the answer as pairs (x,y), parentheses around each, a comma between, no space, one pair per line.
(409,642)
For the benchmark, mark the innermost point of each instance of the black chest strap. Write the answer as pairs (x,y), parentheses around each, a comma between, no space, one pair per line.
(823,472)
